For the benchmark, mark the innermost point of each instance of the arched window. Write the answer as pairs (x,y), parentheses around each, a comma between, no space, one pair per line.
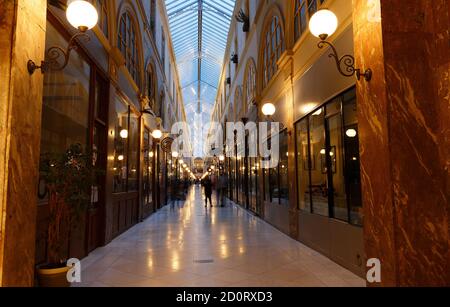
(250,83)
(151,86)
(230,112)
(102,10)
(128,45)
(238,104)
(273,48)
(304,9)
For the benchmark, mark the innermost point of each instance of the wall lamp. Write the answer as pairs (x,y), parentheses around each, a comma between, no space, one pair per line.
(83,16)
(269,110)
(323,24)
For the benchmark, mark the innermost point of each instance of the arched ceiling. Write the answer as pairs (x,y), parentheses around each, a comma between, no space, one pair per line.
(199,30)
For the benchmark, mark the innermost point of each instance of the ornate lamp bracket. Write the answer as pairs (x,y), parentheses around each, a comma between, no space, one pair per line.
(346,63)
(55,53)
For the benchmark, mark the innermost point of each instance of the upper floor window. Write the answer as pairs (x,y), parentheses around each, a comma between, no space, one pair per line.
(152,16)
(128,45)
(151,86)
(273,48)
(102,10)
(239,104)
(250,83)
(304,9)
(163,49)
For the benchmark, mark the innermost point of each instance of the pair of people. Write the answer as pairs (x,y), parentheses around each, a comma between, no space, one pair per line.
(221,188)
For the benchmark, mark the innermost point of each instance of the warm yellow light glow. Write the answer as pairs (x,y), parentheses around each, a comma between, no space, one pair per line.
(318,112)
(222,158)
(124,134)
(324,22)
(269,109)
(351,133)
(157,134)
(181,161)
(151,154)
(175,154)
(82,15)
(120,158)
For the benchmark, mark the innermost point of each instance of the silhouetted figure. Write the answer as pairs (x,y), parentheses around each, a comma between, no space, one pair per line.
(222,185)
(207,185)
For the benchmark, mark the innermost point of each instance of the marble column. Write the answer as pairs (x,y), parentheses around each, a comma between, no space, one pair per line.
(22,37)
(404,131)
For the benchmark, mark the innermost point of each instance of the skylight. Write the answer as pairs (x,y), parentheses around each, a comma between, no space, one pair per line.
(199,30)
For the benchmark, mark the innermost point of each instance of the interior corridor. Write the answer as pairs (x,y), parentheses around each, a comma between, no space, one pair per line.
(186,245)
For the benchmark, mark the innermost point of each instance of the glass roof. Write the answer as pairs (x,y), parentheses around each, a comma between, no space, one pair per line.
(199,30)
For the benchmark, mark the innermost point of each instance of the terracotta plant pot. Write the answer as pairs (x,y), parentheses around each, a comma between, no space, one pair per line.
(53,277)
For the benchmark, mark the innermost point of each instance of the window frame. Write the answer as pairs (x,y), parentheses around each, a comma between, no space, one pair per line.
(329,173)
(127,40)
(297,8)
(273,47)
(250,83)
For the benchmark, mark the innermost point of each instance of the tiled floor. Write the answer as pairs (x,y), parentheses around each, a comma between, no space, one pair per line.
(184,245)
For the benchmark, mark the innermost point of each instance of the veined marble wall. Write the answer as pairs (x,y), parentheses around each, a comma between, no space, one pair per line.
(404,135)
(22,37)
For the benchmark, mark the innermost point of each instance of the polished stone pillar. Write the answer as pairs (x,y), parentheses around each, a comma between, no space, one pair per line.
(404,132)
(22,37)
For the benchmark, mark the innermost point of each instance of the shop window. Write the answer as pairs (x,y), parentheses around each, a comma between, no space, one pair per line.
(319,178)
(65,112)
(352,156)
(304,165)
(126,149)
(328,167)
(276,179)
(148,171)
(133,151)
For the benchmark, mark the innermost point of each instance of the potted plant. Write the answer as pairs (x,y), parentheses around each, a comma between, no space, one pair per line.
(69,178)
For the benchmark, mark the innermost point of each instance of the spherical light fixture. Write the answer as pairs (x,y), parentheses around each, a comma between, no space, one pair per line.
(175,154)
(351,133)
(120,158)
(124,134)
(157,134)
(269,109)
(82,15)
(222,158)
(151,154)
(323,24)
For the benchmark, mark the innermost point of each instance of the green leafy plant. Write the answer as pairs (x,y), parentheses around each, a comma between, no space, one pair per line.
(69,178)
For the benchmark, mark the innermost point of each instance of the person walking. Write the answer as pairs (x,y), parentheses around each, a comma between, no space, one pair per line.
(207,185)
(222,188)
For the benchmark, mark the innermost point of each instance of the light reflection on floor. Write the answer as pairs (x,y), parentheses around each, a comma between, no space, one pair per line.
(185,245)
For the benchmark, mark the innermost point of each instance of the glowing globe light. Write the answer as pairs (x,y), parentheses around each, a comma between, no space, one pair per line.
(351,133)
(124,134)
(82,15)
(323,24)
(269,109)
(157,134)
